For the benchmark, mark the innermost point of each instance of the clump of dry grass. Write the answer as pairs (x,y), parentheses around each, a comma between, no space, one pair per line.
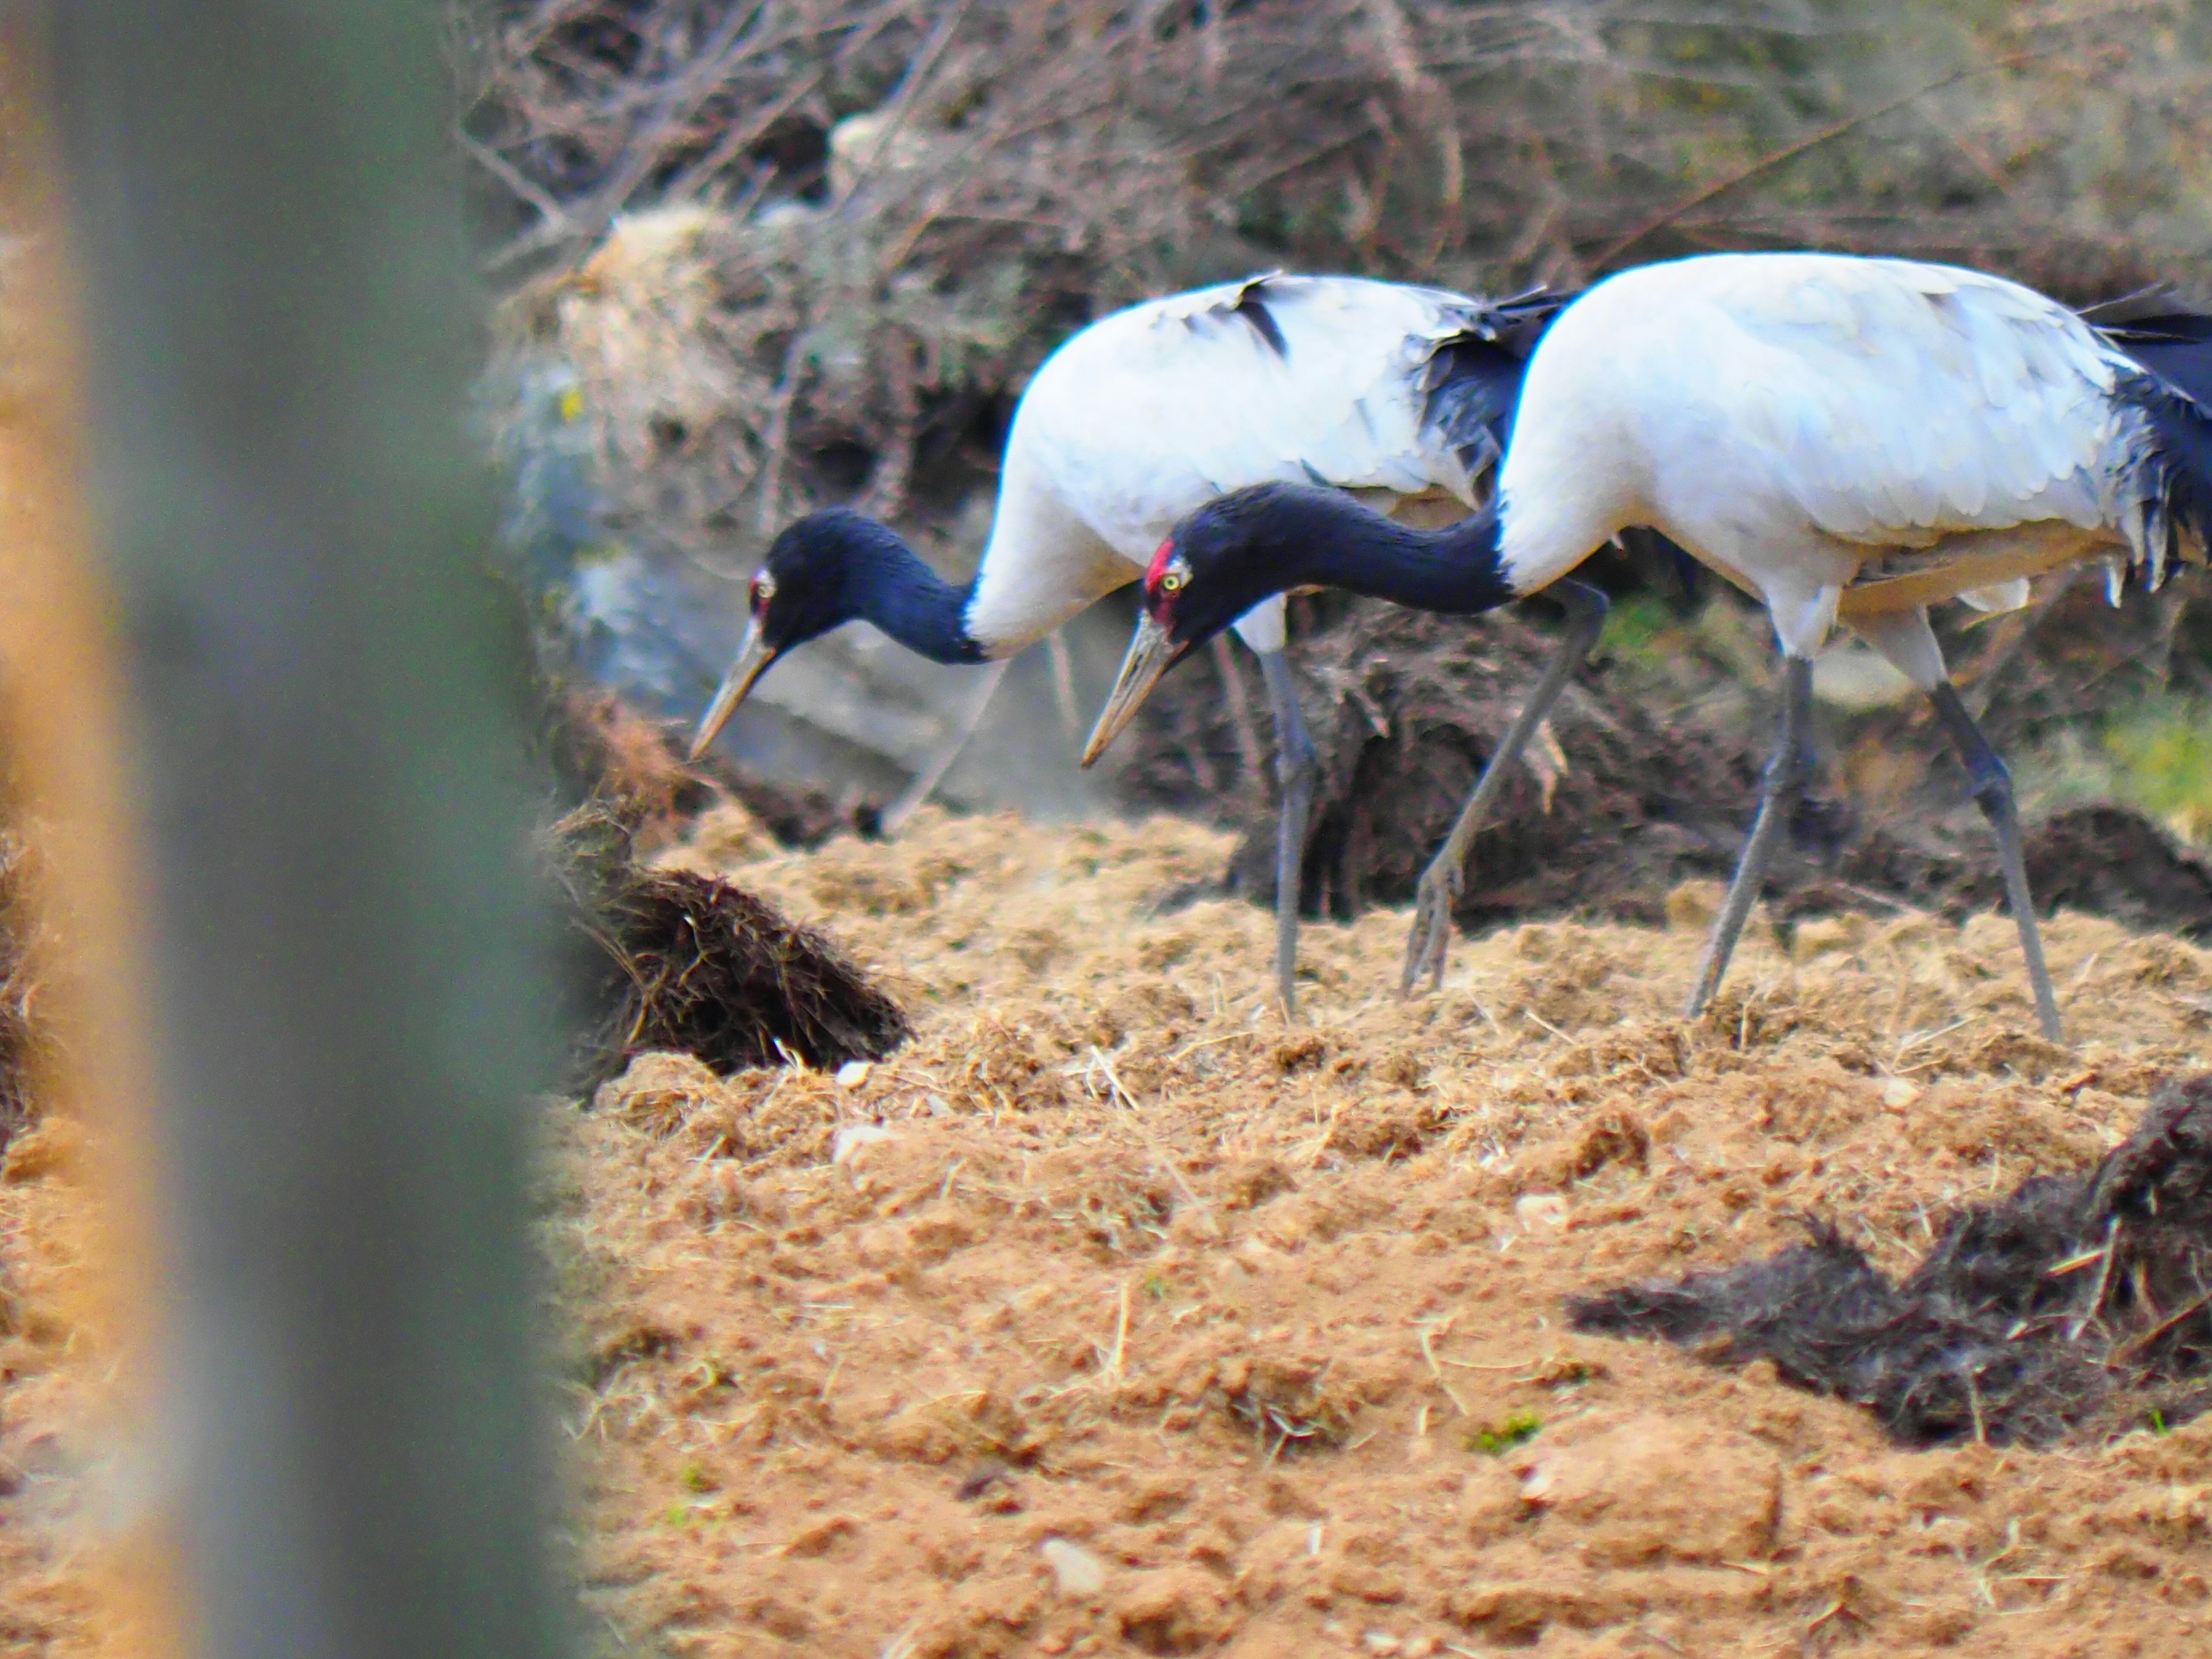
(2076,1303)
(26,1041)
(693,963)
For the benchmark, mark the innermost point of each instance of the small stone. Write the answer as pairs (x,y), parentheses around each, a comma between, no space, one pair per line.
(853,1073)
(846,1145)
(1540,1210)
(1076,1572)
(1896,1094)
(1382,1642)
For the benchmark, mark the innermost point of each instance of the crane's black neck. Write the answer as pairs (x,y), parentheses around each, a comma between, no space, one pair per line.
(1456,570)
(886,582)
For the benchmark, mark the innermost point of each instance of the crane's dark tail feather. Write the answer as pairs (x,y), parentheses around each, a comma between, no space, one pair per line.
(1473,387)
(1473,382)
(2175,346)
(2174,486)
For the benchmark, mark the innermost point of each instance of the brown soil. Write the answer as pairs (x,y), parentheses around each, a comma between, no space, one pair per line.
(1109,1316)
(53,1372)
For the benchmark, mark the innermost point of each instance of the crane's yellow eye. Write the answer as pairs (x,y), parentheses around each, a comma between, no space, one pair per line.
(764,589)
(1171,582)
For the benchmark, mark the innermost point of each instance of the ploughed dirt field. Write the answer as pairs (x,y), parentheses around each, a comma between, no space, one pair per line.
(1107,1316)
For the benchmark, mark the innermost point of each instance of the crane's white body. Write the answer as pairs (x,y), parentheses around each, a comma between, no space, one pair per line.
(1150,412)
(1835,435)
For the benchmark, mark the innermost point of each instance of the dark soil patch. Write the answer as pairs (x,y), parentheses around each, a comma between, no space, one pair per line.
(2103,860)
(669,959)
(2078,1304)
(2112,862)
(1405,708)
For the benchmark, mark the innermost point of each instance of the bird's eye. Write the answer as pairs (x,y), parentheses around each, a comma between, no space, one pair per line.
(1171,582)
(763,590)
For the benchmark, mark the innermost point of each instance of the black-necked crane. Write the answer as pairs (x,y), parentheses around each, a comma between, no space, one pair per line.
(1387,391)
(1848,439)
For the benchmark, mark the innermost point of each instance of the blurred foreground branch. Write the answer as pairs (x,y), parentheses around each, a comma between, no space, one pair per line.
(327,710)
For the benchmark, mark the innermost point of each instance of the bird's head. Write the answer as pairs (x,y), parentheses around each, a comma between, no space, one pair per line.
(803,589)
(1229,556)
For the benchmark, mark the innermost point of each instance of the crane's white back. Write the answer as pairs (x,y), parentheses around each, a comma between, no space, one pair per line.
(1148,413)
(1788,416)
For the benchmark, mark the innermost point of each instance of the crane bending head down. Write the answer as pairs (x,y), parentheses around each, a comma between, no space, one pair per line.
(1245,546)
(824,570)
(1851,440)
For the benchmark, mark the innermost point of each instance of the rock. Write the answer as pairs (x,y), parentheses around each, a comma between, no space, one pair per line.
(1540,1210)
(1660,1488)
(1077,1573)
(846,1145)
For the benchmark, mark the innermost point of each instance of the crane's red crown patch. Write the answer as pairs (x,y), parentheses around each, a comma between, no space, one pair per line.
(1159,564)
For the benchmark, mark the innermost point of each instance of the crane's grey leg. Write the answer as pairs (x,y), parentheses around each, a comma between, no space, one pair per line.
(1787,774)
(933,770)
(1443,881)
(1992,782)
(1296,768)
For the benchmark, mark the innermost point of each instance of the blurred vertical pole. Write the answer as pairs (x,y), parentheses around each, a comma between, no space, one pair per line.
(325,712)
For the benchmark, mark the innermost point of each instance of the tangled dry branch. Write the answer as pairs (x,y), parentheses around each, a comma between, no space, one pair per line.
(843,231)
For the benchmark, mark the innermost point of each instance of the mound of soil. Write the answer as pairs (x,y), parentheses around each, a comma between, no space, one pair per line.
(1625,801)
(1404,708)
(676,960)
(2077,1302)
(2103,860)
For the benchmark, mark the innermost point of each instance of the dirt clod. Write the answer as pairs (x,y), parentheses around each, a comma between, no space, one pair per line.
(1623,1490)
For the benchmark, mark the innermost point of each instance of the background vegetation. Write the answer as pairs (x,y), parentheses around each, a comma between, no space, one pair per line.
(796,251)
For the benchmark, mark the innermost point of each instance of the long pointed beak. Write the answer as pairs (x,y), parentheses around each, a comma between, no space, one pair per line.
(753,658)
(1152,653)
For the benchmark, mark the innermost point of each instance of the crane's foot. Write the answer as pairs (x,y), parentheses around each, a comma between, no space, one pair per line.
(1429,940)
